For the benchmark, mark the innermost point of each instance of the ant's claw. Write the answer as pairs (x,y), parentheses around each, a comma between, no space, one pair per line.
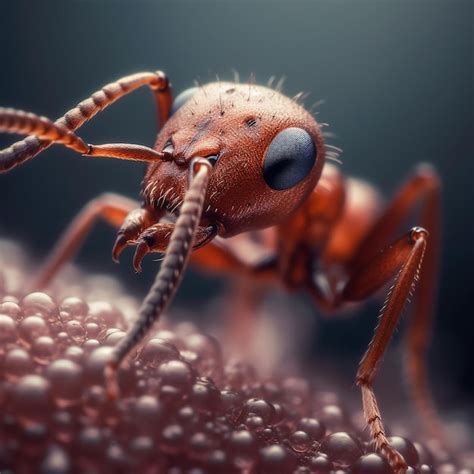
(118,248)
(141,250)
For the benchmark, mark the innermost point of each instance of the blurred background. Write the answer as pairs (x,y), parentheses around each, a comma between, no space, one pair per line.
(396,79)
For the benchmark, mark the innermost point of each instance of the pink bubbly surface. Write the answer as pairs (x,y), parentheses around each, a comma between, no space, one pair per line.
(184,407)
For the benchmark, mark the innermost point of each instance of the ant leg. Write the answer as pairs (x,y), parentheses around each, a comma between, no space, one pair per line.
(113,208)
(424,186)
(28,148)
(403,259)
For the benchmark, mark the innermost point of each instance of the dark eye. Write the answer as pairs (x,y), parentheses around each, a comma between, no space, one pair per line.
(182,98)
(212,159)
(289,158)
(168,148)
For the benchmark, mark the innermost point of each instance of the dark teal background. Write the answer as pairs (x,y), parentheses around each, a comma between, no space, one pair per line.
(396,78)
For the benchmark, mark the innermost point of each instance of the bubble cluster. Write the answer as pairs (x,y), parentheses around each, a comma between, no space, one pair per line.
(183,408)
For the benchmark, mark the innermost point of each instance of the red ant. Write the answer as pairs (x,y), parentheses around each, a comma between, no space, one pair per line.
(235,158)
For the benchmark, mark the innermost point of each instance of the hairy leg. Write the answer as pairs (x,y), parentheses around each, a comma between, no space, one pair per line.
(113,208)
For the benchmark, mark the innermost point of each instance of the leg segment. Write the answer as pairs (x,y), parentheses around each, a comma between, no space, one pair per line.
(369,269)
(422,189)
(26,149)
(113,208)
(411,249)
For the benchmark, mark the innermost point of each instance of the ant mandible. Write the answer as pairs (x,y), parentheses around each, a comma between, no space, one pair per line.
(233,158)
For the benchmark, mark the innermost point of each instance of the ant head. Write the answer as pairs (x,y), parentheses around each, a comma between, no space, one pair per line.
(266,150)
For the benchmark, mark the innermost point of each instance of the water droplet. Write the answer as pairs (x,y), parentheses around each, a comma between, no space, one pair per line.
(172,439)
(32,327)
(276,459)
(56,461)
(75,307)
(300,441)
(341,448)
(93,330)
(371,464)
(39,304)
(31,398)
(65,377)
(148,412)
(11,309)
(313,427)
(261,408)
(105,314)
(8,332)
(91,441)
(44,349)
(406,449)
(113,337)
(176,373)
(76,331)
(17,363)
(74,353)
(156,351)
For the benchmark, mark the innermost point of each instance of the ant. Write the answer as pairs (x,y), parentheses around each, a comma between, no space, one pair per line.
(235,158)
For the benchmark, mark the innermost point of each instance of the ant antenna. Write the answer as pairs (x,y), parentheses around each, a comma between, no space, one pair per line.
(27,123)
(171,272)
(43,133)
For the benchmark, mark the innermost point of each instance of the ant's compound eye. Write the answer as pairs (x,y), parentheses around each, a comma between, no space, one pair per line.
(289,158)
(182,98)
(212,159)
(168,148)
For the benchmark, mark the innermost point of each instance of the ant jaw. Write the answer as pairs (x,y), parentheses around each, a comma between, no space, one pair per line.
(119,247)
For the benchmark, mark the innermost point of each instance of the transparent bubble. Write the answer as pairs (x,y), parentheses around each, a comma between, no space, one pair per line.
(66,379)
(44,349)
(113,337)
(176,373)
(276,459)
(31,398)
(95,364)
(147,413)
(200,445)
(341,448)
(320,463)
(95,401)
(63,426)
(105,314)
(300,441)
(204,394)
(92,330)
(371,464)
(156,351)
(261,408)
(333,417)
(74,307)
(9,308)
(74,353)
(8,331)
(142,448)
(17,363)
(39,304)
(406,448)
(91,345)
(32,327)
(255,423)
(56,461)
(91,441)
(76,331)
(172,439)
(313,427)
